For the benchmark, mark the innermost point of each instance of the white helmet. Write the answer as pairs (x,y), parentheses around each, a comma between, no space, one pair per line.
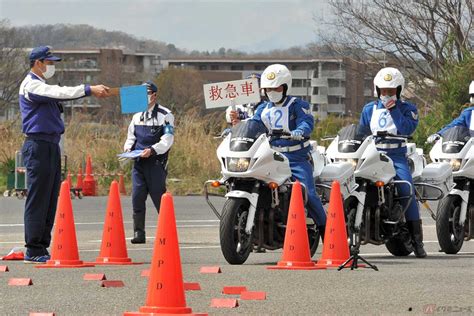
(389,78)
(276,75)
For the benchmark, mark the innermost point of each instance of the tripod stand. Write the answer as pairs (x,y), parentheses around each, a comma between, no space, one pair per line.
(355,257)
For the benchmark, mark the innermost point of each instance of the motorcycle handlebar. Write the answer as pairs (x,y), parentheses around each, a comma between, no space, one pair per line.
(386,134)
(281,134)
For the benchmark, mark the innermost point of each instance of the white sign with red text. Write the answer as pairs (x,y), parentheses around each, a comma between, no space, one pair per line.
(224,94)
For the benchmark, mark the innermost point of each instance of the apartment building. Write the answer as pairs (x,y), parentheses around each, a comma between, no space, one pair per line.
(332,85)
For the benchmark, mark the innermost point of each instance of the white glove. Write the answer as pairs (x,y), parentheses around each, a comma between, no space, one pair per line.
(433,138)
(297,134)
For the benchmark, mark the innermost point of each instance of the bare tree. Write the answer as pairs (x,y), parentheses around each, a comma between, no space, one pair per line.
(181,90)
(425,35)
(13,64)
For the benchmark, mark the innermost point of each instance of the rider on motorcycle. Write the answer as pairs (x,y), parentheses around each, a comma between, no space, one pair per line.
(293,115)
(391,114)
(463,120)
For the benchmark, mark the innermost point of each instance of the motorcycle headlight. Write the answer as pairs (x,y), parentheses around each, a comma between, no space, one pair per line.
(238,164)
(455,163)
(352,161)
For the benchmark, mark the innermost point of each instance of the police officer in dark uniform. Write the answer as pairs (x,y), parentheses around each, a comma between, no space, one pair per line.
(42,124)
(153,132)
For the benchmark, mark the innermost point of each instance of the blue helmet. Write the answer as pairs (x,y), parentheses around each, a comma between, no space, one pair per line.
(151,86)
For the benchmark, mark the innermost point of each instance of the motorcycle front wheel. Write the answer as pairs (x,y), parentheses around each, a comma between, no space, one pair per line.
(400,244)
(450,233)
(236,244)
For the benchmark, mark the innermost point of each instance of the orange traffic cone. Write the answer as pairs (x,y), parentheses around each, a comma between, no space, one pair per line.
(64,248)
(89,183)
(165,293)
(122,189)
(296,253)
(113,249)
(336,248)
(79,183)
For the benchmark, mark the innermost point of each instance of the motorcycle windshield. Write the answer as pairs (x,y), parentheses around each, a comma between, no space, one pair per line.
(454,139)
(245,133)
(351,137)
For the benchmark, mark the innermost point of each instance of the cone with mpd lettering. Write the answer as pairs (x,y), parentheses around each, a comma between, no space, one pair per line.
(165,294)
(113,249)
(296,252)
(64,248)
(336,248)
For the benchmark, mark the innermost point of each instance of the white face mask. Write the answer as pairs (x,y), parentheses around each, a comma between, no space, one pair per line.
(149,99)
(386,98)
(274,96)
(49,72)
(472,100)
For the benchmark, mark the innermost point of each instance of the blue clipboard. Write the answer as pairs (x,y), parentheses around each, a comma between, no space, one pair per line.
(133,99)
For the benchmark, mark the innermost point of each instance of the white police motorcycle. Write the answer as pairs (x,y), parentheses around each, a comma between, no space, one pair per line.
(373,206)
(258,184)
(449,178)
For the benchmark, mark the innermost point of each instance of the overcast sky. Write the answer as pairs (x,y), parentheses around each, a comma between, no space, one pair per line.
(249,25)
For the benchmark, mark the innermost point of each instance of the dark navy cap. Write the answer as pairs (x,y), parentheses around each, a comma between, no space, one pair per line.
(43,52)
(151,86)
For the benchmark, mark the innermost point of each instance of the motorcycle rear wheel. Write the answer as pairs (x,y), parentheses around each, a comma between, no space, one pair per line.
(313,239)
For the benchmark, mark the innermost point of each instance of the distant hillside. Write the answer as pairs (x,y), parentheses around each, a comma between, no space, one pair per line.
(67,36)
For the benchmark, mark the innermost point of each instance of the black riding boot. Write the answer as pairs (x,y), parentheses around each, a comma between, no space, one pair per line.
(322,231)
(416,232)
(138,229)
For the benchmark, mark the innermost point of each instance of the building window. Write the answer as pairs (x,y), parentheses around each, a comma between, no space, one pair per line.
(202,67)
(297,83)
(316,73)
(315,90)
(331,66)
(334,99)
(236,67)
(155,60)
(294,67)
(214,67)
(334,83)
(315,108)
(307,83)
(259,67)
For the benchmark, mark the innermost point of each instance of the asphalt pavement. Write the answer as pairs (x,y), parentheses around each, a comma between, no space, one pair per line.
(439,284)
